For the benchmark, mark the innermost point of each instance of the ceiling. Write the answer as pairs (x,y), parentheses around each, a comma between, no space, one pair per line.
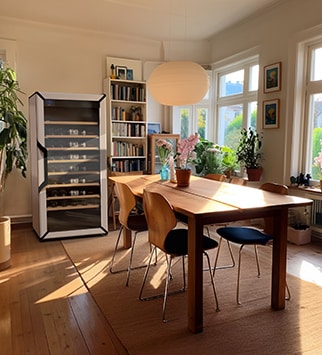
(149,19)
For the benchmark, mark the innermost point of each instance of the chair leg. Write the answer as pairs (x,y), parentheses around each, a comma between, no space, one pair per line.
(238,273)
(114,253)
(212,280)
(288,292)
(146,275)
(257,261)
(230,253)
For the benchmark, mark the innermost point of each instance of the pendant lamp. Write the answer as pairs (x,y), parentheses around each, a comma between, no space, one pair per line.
(178,83)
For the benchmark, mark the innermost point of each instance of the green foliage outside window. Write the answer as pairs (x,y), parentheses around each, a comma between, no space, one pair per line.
(316,148)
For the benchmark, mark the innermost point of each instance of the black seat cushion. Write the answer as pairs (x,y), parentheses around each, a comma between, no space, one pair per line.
(176,242)
(244,235)
(137,222)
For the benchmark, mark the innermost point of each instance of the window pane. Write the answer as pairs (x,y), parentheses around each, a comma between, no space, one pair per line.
(230,125)
(316,119)
(252,114)
(232,83)
(185,118)
(316,72)
(202,113)
(253,78)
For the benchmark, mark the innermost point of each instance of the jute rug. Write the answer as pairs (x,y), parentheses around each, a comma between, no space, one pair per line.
(250,328)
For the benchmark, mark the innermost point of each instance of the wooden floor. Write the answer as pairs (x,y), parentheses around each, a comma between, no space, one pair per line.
(44,305)
(46,309)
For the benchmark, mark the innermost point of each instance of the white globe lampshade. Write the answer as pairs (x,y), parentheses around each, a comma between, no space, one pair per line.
(178,83)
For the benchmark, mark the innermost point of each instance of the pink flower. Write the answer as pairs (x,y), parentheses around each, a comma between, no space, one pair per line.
(185,148)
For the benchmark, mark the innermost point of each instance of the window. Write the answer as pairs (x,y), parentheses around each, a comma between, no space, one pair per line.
(236,100)
(193,118)
(313,108)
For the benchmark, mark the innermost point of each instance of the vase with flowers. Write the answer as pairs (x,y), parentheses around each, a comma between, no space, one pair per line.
(165,150)
(185,155)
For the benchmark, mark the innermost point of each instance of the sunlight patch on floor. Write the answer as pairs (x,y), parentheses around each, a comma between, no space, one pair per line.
(311,273)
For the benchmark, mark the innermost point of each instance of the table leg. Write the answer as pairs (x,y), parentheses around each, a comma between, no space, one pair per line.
(127,238)
(195,277)
(279,260)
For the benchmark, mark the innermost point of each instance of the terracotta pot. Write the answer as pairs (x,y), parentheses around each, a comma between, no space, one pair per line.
(183,177)
(254,174)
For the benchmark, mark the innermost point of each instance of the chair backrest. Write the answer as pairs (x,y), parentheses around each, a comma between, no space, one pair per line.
(217,177)
(238,181)
(278,189)
(160,217)
(127,201)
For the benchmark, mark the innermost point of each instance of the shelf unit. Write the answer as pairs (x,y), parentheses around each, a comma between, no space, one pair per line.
(126,115)
(154,164)
(68,157)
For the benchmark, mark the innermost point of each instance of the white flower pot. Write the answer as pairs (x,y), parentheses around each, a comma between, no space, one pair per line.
(5,242)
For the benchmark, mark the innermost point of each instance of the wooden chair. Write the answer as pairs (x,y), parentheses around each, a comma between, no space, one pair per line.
(238,181)
(112,198)
(244,235)
(130,219)
(217,177)
(172,241)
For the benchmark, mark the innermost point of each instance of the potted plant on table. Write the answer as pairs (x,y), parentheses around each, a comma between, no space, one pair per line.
(185,151)
(13,146)
(249,153)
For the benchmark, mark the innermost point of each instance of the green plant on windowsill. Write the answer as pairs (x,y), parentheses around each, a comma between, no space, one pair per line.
(229,160)
(249,152)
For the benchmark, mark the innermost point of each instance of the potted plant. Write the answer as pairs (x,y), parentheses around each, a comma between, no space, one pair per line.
(13,146)
(185,149)
(208,158)
(229,160)
(249,154)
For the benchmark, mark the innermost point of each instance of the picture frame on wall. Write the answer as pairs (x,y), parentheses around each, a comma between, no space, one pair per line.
(121,72)
(272,77)
(271,109)
(154,127)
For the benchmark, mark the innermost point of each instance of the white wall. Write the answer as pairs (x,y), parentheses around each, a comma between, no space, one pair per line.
(56,59)
(272,34)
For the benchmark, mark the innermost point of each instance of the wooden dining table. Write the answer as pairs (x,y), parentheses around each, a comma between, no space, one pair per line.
(208,202)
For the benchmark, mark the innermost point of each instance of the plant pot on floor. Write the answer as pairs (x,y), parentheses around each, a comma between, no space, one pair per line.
(5,242)
(254,174)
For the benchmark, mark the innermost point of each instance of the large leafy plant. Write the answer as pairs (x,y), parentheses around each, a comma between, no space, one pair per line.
(13,126)
(248,150)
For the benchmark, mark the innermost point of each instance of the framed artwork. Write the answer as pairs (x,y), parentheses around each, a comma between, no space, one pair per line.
(121,72)
(271,113)
(129,74)
(154,127)
(272,77)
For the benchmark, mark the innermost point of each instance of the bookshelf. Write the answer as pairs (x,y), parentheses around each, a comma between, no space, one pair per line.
(126,115)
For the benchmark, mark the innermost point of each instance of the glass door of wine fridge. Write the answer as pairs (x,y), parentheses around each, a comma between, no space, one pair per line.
(68,164)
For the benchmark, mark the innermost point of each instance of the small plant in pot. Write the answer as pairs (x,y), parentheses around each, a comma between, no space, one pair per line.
(249,153)
(13,146)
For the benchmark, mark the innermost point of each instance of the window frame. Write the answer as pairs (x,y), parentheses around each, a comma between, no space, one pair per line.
(244,99)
